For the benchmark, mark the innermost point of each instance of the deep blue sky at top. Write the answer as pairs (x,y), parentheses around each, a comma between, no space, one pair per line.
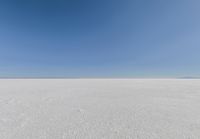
(99,38)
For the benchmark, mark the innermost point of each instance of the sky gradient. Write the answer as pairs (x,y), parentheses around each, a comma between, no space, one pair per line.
(99,38)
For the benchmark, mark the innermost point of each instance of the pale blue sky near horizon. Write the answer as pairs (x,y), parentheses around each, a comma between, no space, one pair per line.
(99,38)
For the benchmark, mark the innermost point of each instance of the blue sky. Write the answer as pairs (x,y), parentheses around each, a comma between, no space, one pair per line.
(99,38)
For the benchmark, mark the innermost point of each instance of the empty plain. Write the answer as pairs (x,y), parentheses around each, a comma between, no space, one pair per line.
(99,109)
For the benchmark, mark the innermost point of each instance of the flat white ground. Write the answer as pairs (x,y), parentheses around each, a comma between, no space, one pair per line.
(99,108)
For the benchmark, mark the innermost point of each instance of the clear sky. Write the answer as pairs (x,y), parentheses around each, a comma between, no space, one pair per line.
(99,38)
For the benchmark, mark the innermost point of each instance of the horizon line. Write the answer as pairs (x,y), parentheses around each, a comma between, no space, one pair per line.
(99,77)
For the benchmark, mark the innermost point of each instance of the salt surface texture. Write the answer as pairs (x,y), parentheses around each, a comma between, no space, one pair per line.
(99,108)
